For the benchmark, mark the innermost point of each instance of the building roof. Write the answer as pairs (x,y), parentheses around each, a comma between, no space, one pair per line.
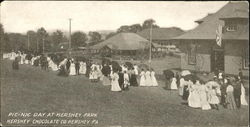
(124,41)
(204,18)
(206,30)
(161,33)
(238,13)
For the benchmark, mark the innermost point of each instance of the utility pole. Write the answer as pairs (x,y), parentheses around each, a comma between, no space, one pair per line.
(43,45)
(70,33)
(28,42)
(37,44)
(150,48)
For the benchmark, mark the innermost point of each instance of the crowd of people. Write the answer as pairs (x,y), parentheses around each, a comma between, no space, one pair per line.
(221,90)
(119,76)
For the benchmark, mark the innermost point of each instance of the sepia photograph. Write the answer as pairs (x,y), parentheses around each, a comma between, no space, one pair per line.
(124,63)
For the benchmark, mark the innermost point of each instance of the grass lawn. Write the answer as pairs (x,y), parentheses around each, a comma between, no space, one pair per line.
(31,89)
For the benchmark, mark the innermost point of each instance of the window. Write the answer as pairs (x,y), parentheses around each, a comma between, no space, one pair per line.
(231,26)
(246,60)
(192,54)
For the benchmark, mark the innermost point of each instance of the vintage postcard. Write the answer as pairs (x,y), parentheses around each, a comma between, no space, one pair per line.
(124,63)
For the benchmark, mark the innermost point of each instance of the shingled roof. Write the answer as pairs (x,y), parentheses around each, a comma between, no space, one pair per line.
(161,33)
(206,30)
(124,41)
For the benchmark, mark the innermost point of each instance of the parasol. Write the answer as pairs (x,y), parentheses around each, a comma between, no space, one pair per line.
(212,84)
(130,65)
(185,72)
(168,74)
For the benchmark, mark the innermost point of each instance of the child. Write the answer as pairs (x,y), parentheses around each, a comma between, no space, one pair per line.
(126,80)
(213,99)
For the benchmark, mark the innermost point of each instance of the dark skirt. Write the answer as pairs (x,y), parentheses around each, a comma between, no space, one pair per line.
(133,80)
(62,71)
(36,62)
(185,93)
(121,80)
(15,65)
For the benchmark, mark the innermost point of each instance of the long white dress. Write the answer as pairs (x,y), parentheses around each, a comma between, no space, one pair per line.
(153,79)
(91,74)
(212,97)
(126,79)
(148,81)
(181,88)
(203,97)
(26,61)
(194,97)
(54,66)
(114,82)
(242,97)
(136,70)
(82,69)
(142,80)
(173,85)
(72,69)
(13,56)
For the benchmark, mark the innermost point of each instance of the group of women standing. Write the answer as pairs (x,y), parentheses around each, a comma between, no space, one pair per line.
(230,93)
(148,78)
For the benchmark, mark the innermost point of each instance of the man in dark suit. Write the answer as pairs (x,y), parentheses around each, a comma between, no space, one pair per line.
(77,67)
(68,64)
(237,92)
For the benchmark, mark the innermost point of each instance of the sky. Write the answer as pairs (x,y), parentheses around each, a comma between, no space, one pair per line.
(21,16)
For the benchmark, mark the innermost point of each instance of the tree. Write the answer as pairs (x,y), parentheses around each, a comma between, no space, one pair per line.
(57,38)
(42,36)
(32,36)
(17,41)
(78,39)
(95,37)
(135,28)
(147,24)
(5,44)
(124,28)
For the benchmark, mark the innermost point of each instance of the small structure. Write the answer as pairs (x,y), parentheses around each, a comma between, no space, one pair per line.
(163,36)
(122,44)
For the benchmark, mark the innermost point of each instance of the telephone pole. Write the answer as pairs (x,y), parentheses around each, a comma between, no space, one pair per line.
(37,44)
(43,45)
(70,33)
(28,42)
(150,48)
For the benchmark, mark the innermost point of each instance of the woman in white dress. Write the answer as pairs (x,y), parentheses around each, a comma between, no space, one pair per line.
(126,80)
(213,100)
(153,79)
(194,97)
(72,68)
(83,68)
(203,97)
(95,74)
(22,59)
(181,88)
(173,85)
(12,56)
(114,82)
(26,61)
(54,66)
(148,81)
(142,79)
(242,97)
